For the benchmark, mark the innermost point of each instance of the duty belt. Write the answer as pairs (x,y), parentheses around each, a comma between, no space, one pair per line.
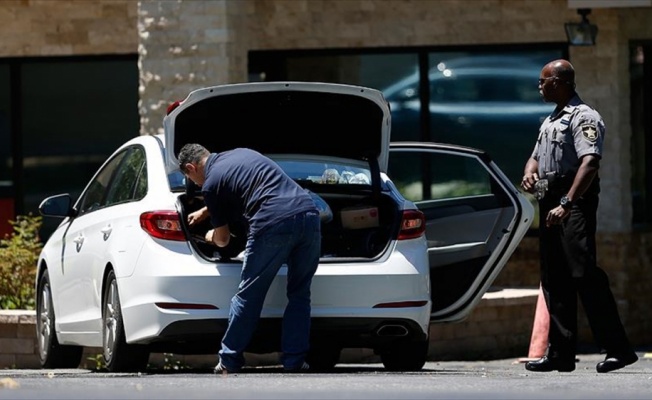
(551,181)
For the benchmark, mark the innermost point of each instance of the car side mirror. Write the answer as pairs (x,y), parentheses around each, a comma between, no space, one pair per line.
(57,206)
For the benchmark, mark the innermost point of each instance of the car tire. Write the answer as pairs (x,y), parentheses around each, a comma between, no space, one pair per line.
(405,356)
(118,355)
(51,353)
(323,357)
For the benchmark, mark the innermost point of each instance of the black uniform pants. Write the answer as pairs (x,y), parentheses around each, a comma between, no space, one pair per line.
(569,269)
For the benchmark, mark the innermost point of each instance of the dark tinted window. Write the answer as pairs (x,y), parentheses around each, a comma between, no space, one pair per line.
(95,195)
(60,118)
(130,181)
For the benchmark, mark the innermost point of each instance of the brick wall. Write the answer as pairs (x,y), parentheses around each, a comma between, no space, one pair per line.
(63,28)
(17,339)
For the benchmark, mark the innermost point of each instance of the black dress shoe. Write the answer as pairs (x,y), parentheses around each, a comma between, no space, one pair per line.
(613,363)
(545,364)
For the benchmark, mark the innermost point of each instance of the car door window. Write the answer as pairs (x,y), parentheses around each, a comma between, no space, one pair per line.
(130,180)
(94,197)
(443,177)
(141,183)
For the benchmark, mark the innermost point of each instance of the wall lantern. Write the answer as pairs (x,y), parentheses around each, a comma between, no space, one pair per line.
(581,33)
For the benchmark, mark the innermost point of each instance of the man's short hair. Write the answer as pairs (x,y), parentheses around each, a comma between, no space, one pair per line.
(191,153)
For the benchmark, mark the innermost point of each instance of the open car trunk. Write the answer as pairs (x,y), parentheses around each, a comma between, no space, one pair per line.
(354,226)
(344,122)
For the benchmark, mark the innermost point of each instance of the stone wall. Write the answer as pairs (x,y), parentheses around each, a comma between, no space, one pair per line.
(62,28)
(183,46)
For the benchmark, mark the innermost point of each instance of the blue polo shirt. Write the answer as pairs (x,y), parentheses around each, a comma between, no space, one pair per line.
(243,184)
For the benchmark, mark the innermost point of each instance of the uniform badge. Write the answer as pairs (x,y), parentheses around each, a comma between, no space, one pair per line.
(590,132)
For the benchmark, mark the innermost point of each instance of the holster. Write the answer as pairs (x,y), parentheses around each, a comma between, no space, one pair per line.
(552,184)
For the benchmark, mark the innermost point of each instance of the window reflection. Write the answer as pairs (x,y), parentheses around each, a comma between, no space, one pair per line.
(90,107)
(445,176)
(479,98)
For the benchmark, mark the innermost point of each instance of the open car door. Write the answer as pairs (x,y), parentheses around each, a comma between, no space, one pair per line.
(475,219)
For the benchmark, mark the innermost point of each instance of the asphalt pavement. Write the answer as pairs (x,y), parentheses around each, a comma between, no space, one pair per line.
(482,380)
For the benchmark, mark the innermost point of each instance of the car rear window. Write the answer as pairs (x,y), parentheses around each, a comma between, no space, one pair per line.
(327,173)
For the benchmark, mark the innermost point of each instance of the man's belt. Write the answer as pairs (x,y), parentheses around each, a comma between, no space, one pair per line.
(551,182)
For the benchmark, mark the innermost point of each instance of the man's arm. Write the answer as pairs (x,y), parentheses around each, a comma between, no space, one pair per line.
(220,236)
(198,216)
(530,175)
(590,164)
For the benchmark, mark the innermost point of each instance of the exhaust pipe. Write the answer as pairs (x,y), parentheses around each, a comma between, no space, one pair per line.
(392,330)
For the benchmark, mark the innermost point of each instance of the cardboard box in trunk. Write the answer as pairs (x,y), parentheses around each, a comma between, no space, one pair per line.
(359,217)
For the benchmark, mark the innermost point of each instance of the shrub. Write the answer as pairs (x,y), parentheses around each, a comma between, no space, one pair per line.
(19,252)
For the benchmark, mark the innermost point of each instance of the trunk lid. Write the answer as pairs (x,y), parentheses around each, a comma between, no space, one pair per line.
(312,118)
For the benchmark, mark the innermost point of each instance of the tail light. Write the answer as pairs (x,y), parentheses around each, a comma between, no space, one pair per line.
(172,106)
(413,225)
(163,225)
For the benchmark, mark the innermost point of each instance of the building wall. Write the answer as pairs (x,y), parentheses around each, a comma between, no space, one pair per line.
(33,28)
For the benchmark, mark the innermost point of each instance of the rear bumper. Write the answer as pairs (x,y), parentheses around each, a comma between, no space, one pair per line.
(350,300)
(204,336)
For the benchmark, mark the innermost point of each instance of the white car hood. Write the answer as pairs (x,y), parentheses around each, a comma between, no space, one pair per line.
(312,118)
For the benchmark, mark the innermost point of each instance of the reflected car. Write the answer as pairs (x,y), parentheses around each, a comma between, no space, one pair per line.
(488,102)
(123,271)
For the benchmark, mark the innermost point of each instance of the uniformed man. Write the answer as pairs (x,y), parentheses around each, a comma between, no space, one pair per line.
(563,172)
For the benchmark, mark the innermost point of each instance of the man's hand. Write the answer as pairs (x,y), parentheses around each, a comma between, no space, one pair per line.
(198,216)
(529,179)
(556,215)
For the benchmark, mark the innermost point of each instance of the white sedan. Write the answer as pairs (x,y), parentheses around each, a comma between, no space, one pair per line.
(124,271)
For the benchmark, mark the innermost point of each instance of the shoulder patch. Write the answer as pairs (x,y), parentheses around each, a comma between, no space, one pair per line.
(590,132)
(565,120)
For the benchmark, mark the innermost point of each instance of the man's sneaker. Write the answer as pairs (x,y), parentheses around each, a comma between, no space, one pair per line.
(221,369)
(304,367)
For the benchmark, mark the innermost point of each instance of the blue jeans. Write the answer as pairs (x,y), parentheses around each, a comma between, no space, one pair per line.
(295,241)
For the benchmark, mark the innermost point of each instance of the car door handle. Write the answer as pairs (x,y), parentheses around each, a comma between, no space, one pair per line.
(106,231)
(78,241)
